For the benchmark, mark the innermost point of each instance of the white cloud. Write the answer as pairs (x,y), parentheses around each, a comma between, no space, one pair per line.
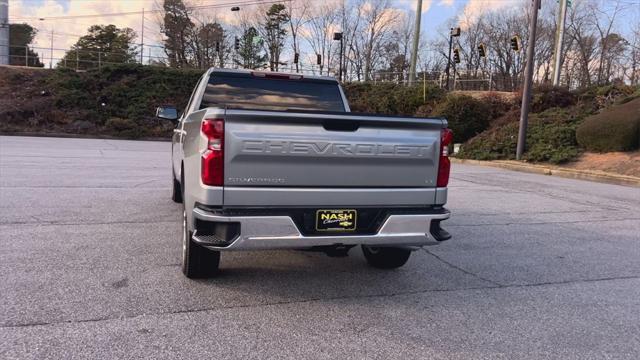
(446,3)
(67,31)
(411,4)
(474,8)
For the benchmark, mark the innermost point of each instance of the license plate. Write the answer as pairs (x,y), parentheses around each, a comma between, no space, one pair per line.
(336,220)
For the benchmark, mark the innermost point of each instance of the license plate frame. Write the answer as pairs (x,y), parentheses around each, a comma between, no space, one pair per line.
(336,220)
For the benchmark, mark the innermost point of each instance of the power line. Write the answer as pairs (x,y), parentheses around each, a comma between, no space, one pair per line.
(200,7)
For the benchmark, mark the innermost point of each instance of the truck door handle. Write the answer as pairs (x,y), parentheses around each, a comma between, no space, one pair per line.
(340,125)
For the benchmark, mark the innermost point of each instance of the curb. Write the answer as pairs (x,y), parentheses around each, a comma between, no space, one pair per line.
(591,175)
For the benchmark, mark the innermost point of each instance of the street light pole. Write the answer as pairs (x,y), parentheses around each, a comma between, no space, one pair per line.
(142,38)
(4,32)
(51,51)
(454,32)
(557,54)
(416,41)
(526,92)
(449,58)
(338,36)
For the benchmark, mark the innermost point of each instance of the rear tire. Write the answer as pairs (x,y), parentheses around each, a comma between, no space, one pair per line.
(386,257)
(176,193)
(197,261)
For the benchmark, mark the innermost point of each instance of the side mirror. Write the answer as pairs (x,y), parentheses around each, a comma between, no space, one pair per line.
(168,113)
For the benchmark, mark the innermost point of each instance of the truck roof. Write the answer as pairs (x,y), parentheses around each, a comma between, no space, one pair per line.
(247,71)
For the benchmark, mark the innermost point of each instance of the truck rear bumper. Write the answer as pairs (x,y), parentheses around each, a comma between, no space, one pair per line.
(280,232)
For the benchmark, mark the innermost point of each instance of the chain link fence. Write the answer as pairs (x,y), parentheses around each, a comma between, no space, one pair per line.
(82,60)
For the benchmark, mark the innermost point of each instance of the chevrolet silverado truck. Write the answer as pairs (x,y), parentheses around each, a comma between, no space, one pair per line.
(277,161)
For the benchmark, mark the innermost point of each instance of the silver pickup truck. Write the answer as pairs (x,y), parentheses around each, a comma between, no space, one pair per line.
(277,161)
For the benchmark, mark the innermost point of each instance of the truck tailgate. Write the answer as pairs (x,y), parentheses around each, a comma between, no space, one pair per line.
(330,150)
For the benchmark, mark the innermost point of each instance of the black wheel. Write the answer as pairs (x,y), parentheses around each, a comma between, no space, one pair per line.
(176,193)
(386,257)
(197,261)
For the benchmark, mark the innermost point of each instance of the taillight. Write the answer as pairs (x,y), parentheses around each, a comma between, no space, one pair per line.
(446,138)
(212,165)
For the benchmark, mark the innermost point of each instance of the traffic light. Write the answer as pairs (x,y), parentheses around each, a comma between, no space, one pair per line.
(218,46)
(318,59)
(237,44)
(296,57)
(482,50)
(456,55)
(515,43)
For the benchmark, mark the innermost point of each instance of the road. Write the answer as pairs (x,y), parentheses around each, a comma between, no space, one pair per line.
(538,267)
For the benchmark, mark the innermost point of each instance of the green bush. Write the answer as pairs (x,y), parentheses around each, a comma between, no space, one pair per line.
(626,99)
(614,129)
(596,98)
(547,97)
(550,137)
(126,128)
(467,116)
(498,104)
(389,98)
(127,91)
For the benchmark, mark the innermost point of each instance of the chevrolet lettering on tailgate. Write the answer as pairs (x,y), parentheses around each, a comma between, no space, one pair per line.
(334,149)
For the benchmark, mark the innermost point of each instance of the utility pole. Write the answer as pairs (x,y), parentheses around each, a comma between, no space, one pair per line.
(416,40)
(528,77)
(142,38)
(4,32)
(557,54)
(51,51)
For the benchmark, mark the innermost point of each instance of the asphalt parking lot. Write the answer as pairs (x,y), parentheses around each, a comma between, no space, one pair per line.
(538,267)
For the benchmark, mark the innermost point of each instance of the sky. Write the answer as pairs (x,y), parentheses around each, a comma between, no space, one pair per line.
(435,13)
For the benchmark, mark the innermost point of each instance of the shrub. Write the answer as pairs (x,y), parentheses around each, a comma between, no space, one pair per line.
(550,137)
(597,98)
(389,98)
(126,128)
(552,141)
(626,99)
(498,104)
(498,143)
(117,124)
(467,116)
(547,97)
(509,117)
(614,129)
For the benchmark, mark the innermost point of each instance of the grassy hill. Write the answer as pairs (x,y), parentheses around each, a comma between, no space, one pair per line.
(119,101)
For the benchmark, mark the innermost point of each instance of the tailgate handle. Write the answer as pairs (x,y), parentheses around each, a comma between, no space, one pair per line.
(340,125)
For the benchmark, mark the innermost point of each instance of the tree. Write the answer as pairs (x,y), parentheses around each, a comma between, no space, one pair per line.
(178,29)
(21,36)
(297,20)
(379,19)
(321,22)
(604,21)
(102,44)
(275,31)
(210,46)
(250,55)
